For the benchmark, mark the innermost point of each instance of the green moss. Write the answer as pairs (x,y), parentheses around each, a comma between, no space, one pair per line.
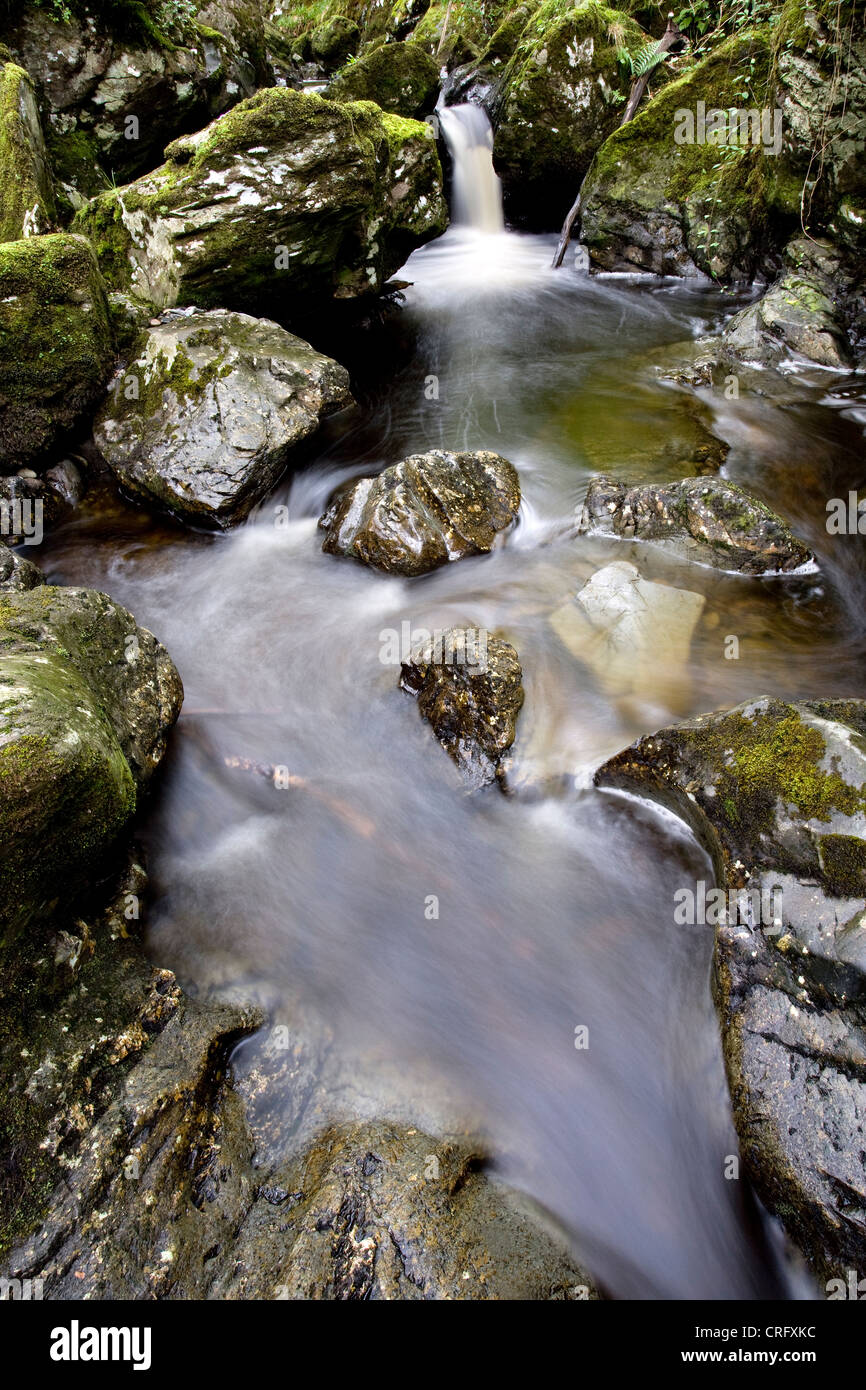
(25,184)
(55,340)
(770,758)
(399,77)
(843,861)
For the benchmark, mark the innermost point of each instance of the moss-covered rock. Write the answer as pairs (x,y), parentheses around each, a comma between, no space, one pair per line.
(560,95)
(655,199)
(26,188)
(205,417)
(115,87)
(709,521)
(287,200)
(334,41)
(423,512)
(55,342)
(86,702)
(777,794)
(802,315)
(399,77)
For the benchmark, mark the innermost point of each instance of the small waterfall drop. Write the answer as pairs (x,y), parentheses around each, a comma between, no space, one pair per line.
(477,189)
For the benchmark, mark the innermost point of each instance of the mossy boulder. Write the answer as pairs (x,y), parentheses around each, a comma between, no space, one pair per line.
(204,418)
(334,41)
(288,200)
(426,511)
(469,687)
(776,792)
(115,87)
(802,315)
(86,702)
(56,347)
(26,189)
(655,199)
(708,521)
(399,77)
(559,97)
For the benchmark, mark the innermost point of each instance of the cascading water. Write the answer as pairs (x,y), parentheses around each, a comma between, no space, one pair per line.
(477,191)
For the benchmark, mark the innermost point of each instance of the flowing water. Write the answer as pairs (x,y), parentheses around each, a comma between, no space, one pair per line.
(555,905)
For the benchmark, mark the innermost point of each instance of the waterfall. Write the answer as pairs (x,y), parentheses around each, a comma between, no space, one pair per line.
(477,192)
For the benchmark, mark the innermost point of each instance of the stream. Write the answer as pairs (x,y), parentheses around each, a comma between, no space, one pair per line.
(450,945)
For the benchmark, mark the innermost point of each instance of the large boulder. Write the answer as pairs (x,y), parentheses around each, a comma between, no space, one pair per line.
(709,521)
(26,187)
(56,347)
(661,197)
(116,82)
(470,690)
(777,794)
(559,97)
(399,77)
(87,699)
(287,200)
(423,512)
(333,41)
(204,419)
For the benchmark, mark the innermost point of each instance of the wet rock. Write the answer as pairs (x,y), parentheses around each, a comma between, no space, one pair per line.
(55,342)
(777,794)
(204,419)
(385,1212)
(470,690)
(650,203)
(30,502)
(17,572)
(26,187)
(708,520)
(801,315)
(116,87)
(287,200)
(399,77)
(634,635)
(424,512)
(558,99)
(87,700)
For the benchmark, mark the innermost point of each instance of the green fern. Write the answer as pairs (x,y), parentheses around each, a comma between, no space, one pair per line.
(644,61)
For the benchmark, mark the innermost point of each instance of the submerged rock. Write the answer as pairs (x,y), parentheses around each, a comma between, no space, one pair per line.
(399,77)
(55,342)
(709,520)
(558,98)
(424,512)
(777,794)
(26,187)
(470,690)
(634,635)
(287,200)
(87,699)
(205,417)
(802,314)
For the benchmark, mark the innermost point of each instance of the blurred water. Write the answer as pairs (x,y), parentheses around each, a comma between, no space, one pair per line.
(555,906)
